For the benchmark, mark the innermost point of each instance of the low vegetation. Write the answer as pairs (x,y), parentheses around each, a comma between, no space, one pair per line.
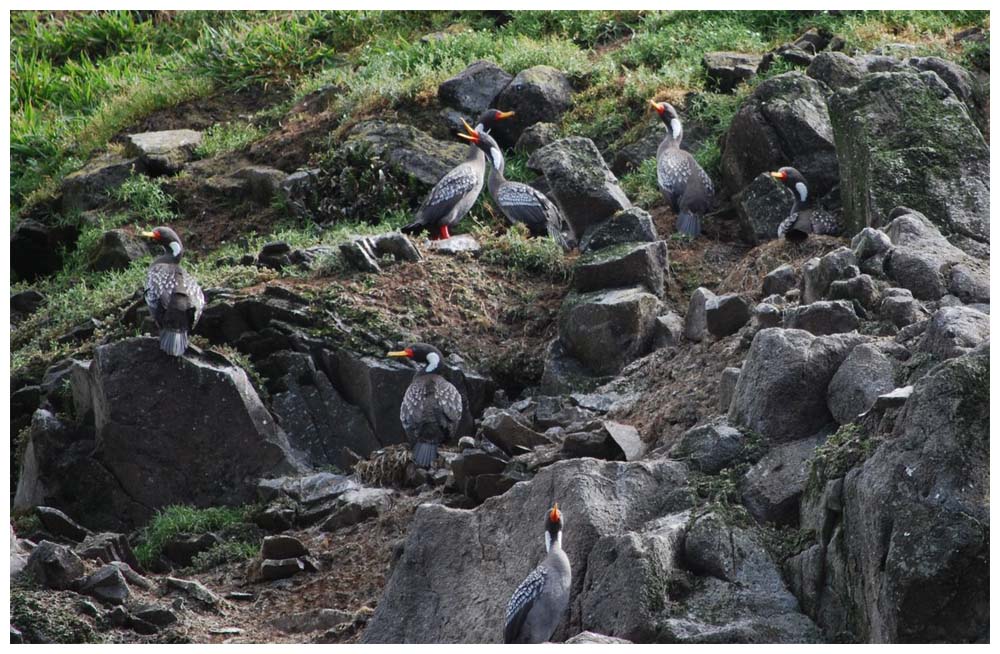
(173,521)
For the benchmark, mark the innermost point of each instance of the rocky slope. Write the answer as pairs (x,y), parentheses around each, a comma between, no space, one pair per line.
(751,440)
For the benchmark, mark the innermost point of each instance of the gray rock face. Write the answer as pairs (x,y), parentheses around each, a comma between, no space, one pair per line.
(836,70)
(583,187)
(510,431)
(917,135)
(780,280)
(540,94)
(772,488)
(629,264)
(537,136)
(902,310)
(116,250)
(726,70)
(142,400)
(163,153)
(924,262)
(725,314)
(782,388)
(962,83)
(710,447)
(409,149)
(668,331)
(784,122)
(695,322)
(316,418)
(861,289)
(825,317)
(59,524)
(727,386)
(761,208)
(866,374)
(358,505)
(954,331)
(819,273)
(54,566)
(422,603)
(605,330)
(88,187)
(632,225)
(107,584)
(474,89)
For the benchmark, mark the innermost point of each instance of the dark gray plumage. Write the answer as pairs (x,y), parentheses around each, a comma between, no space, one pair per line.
(174,298)
(520,203)
(431,407)
(805,218)
(539,603)
(684,183)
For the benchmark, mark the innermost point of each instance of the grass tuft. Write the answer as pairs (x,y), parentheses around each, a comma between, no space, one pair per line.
(174,520)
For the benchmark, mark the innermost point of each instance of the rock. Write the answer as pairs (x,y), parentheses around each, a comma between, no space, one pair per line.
(562,373)
(540,94)
(116,250)
(18,555)
(861,289)
(196,591)
(866,374)
(766,315)
(668,330)
(54,566)
(316,418)
(474,89)
(182,548)
(583,187)
(472,464)
(784,122)
(780,280)
(458,244)
(793,55)
(218,459)
(630,157)
(629,264)
(727,386)
(312,620)
(962,83)
(696,322)
(726,70)
(916,134)
(537,136)
(421,602)
(163,153)
(632,225)
(282,547)
(902,310)
(116,617)
(273,569)
(605,330)
(88,187)
(825,317)
(772,488)
(408,149)
(315,488)
(871,247)
(358,505)
(819,273)
(836,70)
(300,191)
(893,399)
(725,314)
(26,302)
(155,615)
(36,250)
(59,524)
(107,584)
(263,183)
(781,393)
(710,447)
(761,207)
(954,331)
(626,440)
(510,431)
(924,262)
(590,638)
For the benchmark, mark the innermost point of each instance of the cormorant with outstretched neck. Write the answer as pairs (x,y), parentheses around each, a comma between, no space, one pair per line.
(173,296)
(684,183)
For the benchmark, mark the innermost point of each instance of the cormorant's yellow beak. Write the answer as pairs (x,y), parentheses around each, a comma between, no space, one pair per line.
(147,234)
(778,175)
(399,353)
(505,114)
(656,105)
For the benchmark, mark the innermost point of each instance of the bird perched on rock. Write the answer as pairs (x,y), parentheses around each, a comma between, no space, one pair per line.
(456,192)
(432,406)
(805,217)
(173,296)
(519,202)
(684,183)
(538,604)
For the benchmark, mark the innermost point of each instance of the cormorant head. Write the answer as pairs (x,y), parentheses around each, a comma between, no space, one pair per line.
(421,353)
(794,180)
(484,142)
(669,117)
(168,238)
(553,526)
(489,118)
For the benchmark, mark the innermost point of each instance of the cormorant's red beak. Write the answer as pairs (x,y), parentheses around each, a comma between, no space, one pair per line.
(782,175)
(659,108)
(554,514)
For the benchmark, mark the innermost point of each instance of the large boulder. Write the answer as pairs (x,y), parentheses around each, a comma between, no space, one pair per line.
(823,317)
(782,389)
(54,566)
(163,153)
(837,70)
(632,225)
(89,187)
(725,314)
(540,94)
(724,71)
(710,447)
(474,89)
(116,250)
(761,207)
(184,430)
(784,122)
(962,83)
(629,264)
(408,149)
(866,374)
(503,542)
(605,330)
(954,331)
(772,488)
(583,187)
(905,139)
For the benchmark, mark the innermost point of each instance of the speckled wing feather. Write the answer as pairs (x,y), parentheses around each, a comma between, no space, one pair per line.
(161,280)
(447,193)
(672,171)
(521,602)
(825,223)
(431,410)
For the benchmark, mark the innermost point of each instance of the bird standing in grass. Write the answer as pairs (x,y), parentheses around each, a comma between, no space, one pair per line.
(684,183)
(173,296)
(456,192)
(805,218)
(519,202)
(432,406)
(538,604)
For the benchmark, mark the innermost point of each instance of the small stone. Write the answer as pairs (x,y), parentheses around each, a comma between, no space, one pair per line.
(54,566)
(821,318)
(695,325)
(282,547)
(461,243)
(155,614)
(725,314)
(116,617)
(272,569)
(668,331)
(781,280)
(727,385)
(195,590)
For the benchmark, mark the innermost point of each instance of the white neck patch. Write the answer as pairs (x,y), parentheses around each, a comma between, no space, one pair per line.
(803,191)
(175,247)
(675,128)
(497,158)
(432,362)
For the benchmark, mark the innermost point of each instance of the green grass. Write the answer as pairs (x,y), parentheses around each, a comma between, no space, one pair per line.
(516,252)
(146,198)
(178,519)
(222,138)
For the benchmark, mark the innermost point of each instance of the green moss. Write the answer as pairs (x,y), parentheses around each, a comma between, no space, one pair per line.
(43,618)
(848,447)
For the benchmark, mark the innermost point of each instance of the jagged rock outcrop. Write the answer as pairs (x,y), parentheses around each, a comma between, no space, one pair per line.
(474,89)
(409,149)
(540,94)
